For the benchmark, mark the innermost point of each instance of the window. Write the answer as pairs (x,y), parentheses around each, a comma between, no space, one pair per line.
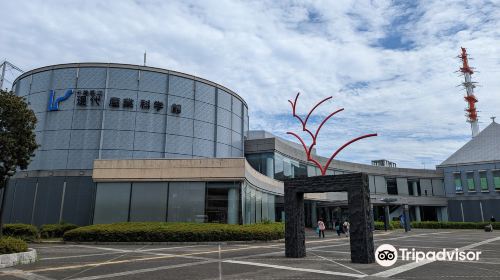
(278,167)
(470,182)
(483,181)
(496,179)
(392,187)
(458,182)
(410,188)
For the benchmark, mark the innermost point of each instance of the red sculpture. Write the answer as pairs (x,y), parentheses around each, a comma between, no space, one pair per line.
(314,136)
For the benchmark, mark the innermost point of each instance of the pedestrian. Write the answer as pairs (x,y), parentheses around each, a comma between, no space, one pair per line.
(321,228)
(337,227)
(492,219)
(346,226)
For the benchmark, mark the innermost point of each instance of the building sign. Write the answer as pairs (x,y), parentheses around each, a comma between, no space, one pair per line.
(54,102)
(95,97)
(85,98)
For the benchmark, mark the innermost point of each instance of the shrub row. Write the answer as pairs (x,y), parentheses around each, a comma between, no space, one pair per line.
(55,230)
(23,231)
(30,233)
(175,232)
(438,225)
(9,245)
(454,225)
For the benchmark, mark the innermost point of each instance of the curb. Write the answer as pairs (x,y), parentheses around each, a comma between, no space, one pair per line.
(166,243)
(8,260)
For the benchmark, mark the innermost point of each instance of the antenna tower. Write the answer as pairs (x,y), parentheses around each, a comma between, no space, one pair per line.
(470,98)
(4,66)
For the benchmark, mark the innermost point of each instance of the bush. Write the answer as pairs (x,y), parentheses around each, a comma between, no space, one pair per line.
(9,245)
(380,226)
(23,231)
(454,225)
(175,232)
(55,230)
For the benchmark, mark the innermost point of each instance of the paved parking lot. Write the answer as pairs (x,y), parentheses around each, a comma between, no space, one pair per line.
(327,258)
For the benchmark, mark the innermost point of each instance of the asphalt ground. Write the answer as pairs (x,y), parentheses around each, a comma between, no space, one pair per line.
(327,258)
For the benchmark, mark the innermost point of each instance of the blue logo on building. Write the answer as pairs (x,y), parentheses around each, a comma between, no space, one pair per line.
(54,104)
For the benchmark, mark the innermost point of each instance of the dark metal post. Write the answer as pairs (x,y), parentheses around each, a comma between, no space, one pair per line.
(386,218)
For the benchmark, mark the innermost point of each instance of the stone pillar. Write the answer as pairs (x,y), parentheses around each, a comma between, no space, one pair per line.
(232,205)
(415,188)
(295,242)
(361,236)
(417,213)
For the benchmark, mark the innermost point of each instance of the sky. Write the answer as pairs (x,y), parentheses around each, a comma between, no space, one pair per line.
(390,64)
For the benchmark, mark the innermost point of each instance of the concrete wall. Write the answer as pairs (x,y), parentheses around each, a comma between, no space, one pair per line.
(212,123)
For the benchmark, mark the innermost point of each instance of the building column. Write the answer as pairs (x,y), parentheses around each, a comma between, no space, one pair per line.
(232,205)
(417,214)
(415,189)
(444,214)
(270,167)
(314,217)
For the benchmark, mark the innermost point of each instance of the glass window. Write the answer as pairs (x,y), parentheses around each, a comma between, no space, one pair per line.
(279,204)
(458,182)
(149,202)
(111,203)
(265,211)
(271,208)
(186,202)
(300,170)
(252,205)
(410,188)
(248,207)
(253,159)
(278,167)
(392,187)
(470,181)
(496,179)
(483,181)
(258,206)
(287,168)
(217,198)
(311,171)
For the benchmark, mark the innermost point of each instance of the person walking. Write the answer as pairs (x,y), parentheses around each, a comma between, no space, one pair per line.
(321,227)
(337,227)
(346,226)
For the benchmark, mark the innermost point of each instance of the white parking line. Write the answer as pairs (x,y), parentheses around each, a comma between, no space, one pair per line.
(297,269)
(412,265)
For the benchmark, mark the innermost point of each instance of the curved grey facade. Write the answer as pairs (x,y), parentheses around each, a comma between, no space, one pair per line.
(212,122)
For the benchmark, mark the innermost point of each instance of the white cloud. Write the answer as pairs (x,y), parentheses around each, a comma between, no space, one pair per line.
(267,51)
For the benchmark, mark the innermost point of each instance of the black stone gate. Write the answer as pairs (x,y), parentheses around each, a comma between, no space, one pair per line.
(358,197)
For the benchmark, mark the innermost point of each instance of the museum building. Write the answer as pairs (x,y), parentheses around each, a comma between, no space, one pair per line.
(135,143)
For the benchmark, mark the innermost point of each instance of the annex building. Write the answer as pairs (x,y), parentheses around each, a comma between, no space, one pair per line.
(135,143)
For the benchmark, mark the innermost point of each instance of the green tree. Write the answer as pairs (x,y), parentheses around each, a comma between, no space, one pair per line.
(17,139)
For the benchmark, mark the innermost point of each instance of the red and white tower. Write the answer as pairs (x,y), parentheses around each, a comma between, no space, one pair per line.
(470,98)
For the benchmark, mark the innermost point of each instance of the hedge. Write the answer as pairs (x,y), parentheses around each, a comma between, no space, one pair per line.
(55,230)
(9,245)
(175,232)
(23,231)
(455,225)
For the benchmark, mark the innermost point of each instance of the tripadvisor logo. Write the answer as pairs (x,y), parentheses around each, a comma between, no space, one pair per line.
(387,255)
